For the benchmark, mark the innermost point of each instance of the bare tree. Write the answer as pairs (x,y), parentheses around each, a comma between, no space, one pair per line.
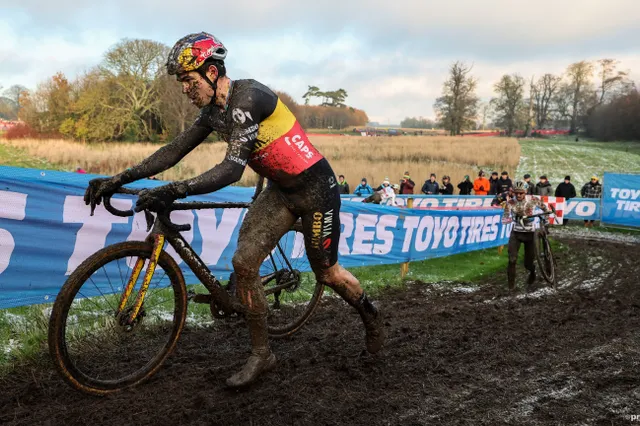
(579,75)
(609,77)
(542,94)
(457,107)
(509,105)
(175,110)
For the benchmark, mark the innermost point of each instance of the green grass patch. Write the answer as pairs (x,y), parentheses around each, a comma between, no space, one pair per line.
(15,157)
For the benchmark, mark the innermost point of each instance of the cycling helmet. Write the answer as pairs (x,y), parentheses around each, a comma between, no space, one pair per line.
(520,186)
(190,52)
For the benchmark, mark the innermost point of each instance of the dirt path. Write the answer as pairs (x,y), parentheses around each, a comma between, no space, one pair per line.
(455,355)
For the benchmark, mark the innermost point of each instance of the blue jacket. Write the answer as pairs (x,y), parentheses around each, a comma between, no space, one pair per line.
(363,190)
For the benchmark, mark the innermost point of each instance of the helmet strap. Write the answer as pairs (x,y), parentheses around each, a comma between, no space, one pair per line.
(213,84)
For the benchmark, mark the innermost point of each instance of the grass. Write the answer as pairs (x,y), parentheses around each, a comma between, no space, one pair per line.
(563,156)
(16,157)
(353,156)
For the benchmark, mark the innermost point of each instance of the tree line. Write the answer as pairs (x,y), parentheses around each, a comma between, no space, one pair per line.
(130,97)
(593,97)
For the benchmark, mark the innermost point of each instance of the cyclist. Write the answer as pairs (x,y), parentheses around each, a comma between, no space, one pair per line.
(260,132)
(517,208)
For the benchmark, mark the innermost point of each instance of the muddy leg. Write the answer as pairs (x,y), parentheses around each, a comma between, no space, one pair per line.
(267,220)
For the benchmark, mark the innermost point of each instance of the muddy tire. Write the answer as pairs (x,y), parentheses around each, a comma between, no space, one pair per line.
(544,257)
(64,331)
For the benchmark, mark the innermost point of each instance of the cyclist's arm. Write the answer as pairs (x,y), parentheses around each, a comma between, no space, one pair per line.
(506,215)
(167,156)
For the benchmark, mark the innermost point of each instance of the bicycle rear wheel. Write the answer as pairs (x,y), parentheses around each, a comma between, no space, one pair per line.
(93,346)
(545,259)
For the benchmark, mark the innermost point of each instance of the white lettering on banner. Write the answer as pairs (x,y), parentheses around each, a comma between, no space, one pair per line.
(628,206)
(363,239)
(298,246)
(625,193)
(216,237)
(13,205)
(410,224)
(582,208)
(424,233)
(385,235)
(346,220)
(451,233)
(181,217)
(92,235)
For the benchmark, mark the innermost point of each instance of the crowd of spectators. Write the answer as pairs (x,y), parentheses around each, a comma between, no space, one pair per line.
(502,185)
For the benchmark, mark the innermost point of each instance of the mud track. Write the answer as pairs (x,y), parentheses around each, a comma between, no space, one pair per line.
(456,354)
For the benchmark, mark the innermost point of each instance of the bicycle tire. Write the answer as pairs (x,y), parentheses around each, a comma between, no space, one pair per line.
(58,347)
(544,257)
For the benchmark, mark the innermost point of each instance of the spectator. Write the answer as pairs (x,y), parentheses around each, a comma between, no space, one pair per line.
(430,186)
(388,195)
(363,189)
(80,170)
(527,180)
(465,186)
(381,186)
(446,188)
(592,189)
(504,183)
(566,190)
(406,184)
(493,183)
(544,188)
(343,186)
(481,186)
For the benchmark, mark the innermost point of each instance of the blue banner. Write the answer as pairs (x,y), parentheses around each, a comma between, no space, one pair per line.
(46,232)
(575,208)
(621,199)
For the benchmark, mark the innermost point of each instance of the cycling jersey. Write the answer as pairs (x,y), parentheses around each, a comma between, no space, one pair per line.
(522,208)
(260,132)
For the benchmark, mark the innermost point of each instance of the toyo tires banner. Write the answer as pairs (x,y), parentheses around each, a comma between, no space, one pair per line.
(575,208)
(621,199)
(46,232)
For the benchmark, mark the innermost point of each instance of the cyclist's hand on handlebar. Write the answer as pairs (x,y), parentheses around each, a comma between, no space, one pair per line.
(97,190)
(156,199)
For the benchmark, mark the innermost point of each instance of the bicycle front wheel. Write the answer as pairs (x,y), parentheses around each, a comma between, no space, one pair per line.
(95,341)
(545,259)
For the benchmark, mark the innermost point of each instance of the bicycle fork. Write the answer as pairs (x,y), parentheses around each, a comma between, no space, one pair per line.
(158,244)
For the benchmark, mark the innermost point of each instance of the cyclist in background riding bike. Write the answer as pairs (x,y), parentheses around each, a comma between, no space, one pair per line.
(260,132)
(516,208)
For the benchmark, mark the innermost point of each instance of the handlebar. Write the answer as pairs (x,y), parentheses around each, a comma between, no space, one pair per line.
(163,216)
(522,218)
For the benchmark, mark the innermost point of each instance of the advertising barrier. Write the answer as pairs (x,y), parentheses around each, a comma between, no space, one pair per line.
(621,199)
(46,232)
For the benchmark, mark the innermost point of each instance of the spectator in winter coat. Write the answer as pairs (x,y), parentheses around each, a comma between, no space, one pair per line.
(544,188)
(382,185)
(343,186)
(363,189)
(527,180)
(493,183)
(481,186)
(430,186)
(465,186)
(446,188)
(592,189)
(406,184)
(566,190)
(504,183)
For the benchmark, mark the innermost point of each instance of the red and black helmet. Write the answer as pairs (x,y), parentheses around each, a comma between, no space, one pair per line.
(190,52)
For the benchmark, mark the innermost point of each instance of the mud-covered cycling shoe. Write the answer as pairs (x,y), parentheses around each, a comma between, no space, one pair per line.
(373,324)
(252,369)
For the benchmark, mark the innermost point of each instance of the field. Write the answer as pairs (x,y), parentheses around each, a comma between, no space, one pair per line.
(460,350)
(563,156)
(355,157)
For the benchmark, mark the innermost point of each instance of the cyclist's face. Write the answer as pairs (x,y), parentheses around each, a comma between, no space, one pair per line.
(520,195)
(196,88)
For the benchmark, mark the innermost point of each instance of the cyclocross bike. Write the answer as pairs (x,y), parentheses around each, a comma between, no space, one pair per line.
(110,330)
(542,249)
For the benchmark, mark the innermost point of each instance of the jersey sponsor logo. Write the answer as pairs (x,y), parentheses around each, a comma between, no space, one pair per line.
(332,182)
(299,142)
(240,116)
(248,130)
(321,229)
(237,160)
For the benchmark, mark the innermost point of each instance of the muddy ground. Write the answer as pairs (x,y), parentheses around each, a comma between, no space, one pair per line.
(455,355)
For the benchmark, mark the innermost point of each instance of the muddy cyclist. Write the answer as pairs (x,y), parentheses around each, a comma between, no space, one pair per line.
(262,133)
(523,230)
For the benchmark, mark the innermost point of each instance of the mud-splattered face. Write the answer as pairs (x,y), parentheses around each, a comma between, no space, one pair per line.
(520,195)
(196,88)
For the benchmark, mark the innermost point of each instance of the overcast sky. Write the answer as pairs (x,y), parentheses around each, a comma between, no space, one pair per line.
(390,56)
